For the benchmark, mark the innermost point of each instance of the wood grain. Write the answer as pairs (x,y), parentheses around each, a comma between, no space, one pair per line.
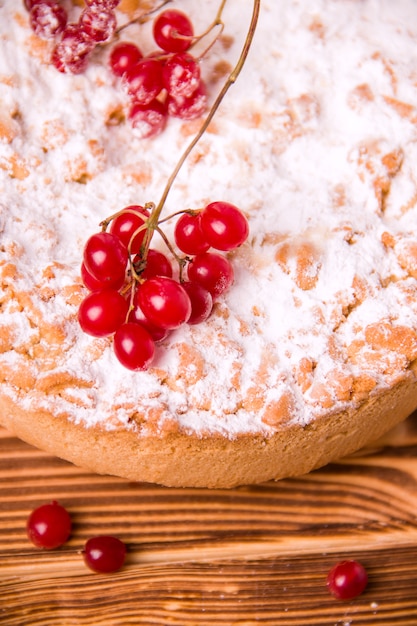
(252,555)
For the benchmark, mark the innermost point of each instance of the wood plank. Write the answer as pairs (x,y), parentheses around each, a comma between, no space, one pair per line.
(198,557)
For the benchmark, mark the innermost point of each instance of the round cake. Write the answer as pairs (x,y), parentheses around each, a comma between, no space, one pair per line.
(311,351)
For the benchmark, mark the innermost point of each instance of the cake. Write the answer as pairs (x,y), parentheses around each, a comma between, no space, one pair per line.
(311,353)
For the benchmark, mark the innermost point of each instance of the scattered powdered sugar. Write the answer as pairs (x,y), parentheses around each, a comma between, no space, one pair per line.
(299,143)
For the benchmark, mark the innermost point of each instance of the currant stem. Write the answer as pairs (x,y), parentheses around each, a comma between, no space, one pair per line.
(154,218)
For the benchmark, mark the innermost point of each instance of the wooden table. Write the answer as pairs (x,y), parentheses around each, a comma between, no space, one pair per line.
(253,555)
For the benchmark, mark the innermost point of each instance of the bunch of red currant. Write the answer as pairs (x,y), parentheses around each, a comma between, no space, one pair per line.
(74,42)
(133,292)
(164,83)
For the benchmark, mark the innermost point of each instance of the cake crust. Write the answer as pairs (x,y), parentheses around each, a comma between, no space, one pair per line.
(184,460)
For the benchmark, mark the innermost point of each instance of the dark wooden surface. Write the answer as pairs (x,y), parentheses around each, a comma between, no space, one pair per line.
(253,555)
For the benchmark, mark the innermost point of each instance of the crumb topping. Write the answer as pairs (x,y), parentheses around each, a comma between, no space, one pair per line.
(316,143)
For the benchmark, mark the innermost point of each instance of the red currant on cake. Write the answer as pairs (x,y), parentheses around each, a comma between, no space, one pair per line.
(104,554)
(98,23)
(201,302)
(144,80)
(126,226)
(212,271)
(173,31)
(101,313)
(164,302)
(189,235)
(47,18)
(224,226)
(347,579)
(49,526)
(123,57)
(134,346)
(71,53)
(181,75)
(189,108)
(105,257)
(148,120)
(155,264)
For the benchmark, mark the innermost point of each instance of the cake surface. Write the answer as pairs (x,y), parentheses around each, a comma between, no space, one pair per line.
(312,352)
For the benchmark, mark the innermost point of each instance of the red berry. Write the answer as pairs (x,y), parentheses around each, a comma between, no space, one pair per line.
(347,579)
(133,346)
(93,284)
(127,223)
(212,271)
(105,257)
(49,526)
(181,75)
(164,302)
(156,264)
(104,554)
(144,80)
(201,302)
(224,225)
(188,234)
(189,108)
(148,120)
(173,31)
(123,57)
(72,52)
(47,19)
(101,313)
(137,316)
(98,23)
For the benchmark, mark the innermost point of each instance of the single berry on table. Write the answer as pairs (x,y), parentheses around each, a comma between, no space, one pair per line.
(49,526)
(347,580)
(173,31)
(104,554)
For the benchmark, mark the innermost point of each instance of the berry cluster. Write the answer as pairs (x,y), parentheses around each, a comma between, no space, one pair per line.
(165,83)
(134,294)
(162,84)
(73,42)
(49,526)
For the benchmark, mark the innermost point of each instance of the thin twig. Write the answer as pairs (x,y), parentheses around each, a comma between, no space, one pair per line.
(154,219)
